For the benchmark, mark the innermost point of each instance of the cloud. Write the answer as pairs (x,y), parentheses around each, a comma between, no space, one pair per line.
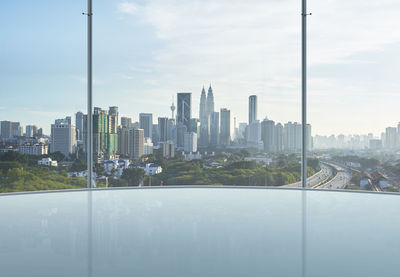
(126,8)
(246,47)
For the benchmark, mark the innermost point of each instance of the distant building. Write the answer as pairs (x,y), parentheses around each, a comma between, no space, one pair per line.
(168,149)
(184,109)
(47,162)
(214,128)
(254,132)
(225,130)
(268,135)
(190,142)
(259,160)
(146,123)
(31,130)
(163,128)
(152,169)
(204,133)
(10,129)
(148,146)
(252,108)
(375,144)
(79,125)
(181,129)
(63,136)
(192,156)
(126,122)
(33,149)
(105,133)
(138,143)
(391,138)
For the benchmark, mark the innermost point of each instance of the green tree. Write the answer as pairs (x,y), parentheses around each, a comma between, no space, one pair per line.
(133,176)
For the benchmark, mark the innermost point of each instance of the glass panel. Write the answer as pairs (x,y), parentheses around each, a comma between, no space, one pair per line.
(42,87)
(353,91)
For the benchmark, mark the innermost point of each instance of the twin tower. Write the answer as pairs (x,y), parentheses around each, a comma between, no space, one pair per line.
(206,112)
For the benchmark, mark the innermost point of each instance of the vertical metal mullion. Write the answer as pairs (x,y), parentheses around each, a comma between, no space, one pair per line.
(89,143)
(304,93)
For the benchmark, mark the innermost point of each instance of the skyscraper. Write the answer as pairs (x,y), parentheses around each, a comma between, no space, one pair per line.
(210,101)
(225,131)
(252,108)
(63,136)
(163,128)
(146,123)
(105,132)
(113,119)
(184,109)
(79,125)
(214,128)
(204,120)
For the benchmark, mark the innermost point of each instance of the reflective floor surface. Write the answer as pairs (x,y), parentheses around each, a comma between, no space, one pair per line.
(200,232)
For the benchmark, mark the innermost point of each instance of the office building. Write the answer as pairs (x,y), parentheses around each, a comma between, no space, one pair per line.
(63,136)
(163,129)
(146,123)
(185,109)
(225,129)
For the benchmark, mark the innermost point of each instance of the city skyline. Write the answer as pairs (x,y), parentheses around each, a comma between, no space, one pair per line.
(230,49)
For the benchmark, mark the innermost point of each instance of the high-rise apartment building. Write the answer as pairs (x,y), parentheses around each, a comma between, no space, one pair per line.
(252,108)
(126,122)
(225,131)
(31,130)
(63,136)
(391,138)
(138,143)
(279,137)
(10,129)
(146,123)
(105,133)
(268,135)
(185,109)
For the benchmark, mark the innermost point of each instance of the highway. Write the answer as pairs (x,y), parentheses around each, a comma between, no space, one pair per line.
(320,177)
(339,181)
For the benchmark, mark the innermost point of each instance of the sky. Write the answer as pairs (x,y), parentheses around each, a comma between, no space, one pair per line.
(147,51)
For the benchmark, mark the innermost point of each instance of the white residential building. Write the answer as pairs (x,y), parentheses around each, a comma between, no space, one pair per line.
(47,162)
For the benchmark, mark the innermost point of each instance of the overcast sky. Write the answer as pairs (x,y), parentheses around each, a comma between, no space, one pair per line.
(147,51)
